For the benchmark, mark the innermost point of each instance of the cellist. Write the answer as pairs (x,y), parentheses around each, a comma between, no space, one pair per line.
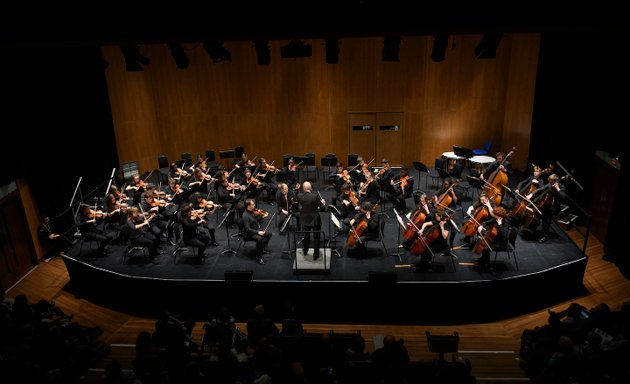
(423,212)
(434,235)
(477,213)
(548,200)
(447,195)
(363,227)
(493,236)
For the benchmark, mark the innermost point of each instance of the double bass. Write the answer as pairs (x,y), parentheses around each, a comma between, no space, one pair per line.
(497,179)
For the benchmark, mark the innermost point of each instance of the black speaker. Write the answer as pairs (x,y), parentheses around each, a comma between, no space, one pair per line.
(239,275)
(382,277)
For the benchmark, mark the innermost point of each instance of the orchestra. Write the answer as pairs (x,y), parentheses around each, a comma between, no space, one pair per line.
(154,214)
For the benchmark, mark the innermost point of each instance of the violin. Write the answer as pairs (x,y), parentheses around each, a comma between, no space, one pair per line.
(294,167)
(208,204)
(260,212)
(92,214)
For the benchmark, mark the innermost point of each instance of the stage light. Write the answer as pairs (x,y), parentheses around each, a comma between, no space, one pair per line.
(217,52)
(295,49)
(263,52)
(440,43)
(391,48)
(133,58)
(179,55)
(487,47)
(332,50)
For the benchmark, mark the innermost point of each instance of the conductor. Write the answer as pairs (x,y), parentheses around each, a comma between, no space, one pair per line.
(309,216)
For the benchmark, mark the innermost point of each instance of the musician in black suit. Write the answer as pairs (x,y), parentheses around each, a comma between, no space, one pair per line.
(548,199)
(309,216)
(250,226)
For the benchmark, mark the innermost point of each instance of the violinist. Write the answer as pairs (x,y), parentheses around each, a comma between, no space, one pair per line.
(137,188)
(347,203)
(199,181)
(340,178)
(115,214)
(86,220)
(287,205)
(190,221)
(384,176)
(369,190)
(435,235)
(310,204)
(493,236)
(152,210)
(250,225)
(292,173)
(253,186)
(175,192)
(268,179)
(402,188)
(200,163)
(478,212)
(227,197)
(366,225)
(204,209)
(178,173)
(139,233)
(548,199)
(245,162)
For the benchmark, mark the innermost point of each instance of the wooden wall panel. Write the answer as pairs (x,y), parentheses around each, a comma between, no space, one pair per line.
(301,105)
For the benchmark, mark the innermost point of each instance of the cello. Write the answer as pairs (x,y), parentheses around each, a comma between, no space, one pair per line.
(469,228)
(528,190)
(445,199)
(433,232)
(416,221)
(484,240)
(497,179)
(356,231)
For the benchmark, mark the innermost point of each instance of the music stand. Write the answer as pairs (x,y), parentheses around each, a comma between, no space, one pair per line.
(332,218)
(227,232)
(402,228)
(227,154)
(289,250)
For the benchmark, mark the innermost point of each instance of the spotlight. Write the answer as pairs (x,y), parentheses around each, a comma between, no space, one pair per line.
(179,55)
(487,47)
(216,51)
(295,49)
(440,43)
(133,58)
(391,48)
(263,52)
(332,50)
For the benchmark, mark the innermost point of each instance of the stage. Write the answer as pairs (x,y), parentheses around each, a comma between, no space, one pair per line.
(339,287)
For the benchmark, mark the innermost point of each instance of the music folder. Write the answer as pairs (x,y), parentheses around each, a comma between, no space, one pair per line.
(463,152)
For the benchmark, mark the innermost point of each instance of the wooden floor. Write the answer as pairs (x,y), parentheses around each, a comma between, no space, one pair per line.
(491,347)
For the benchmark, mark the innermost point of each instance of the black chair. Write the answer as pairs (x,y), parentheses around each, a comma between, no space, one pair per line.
(381,231)
(163,168)
(309,165)
(285,159)
(485,150)
(187,158)
(462,185)
(449,254)
(181,247)
(443,344)
(238,152)
(511,247)
(421,167)
(211,161)
(353,159)
(241,236)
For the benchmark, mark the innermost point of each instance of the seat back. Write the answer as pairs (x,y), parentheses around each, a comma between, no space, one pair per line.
(353,159)
(487,146)
(443,344)
(210,155)
(512,235)
(163,161)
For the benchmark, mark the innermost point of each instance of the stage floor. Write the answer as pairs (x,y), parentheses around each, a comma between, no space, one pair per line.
(546,271)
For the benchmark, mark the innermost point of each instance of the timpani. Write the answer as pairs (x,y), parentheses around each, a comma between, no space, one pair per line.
(481,162)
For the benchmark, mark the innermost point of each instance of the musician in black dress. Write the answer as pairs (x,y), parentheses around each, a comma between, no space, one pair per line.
(435,233)
(384,177)
(310,203)
(204,209)
(139,233)
(402,186)
(496,239)
(250,224)
(548,199)
(347,203)
(365,225)
(192,236)
(86,220)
